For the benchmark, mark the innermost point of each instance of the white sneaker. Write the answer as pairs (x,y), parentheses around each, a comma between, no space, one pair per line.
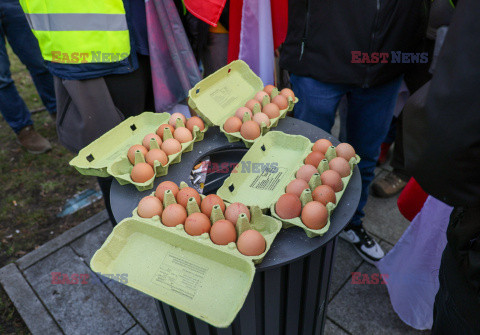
(365,245)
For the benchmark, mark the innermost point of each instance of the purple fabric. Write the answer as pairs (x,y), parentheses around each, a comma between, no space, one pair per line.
(412,265)
(256,39)
(174,68)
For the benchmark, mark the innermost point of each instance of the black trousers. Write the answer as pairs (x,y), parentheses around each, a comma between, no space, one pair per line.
(418,76)
(457,303)
(132,94)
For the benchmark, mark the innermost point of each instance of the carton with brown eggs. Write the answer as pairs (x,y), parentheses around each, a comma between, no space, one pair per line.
(269,166)
(191,273)
(107,155)
(217,98)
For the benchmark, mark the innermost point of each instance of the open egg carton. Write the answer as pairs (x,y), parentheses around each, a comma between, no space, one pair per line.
(107,155)
(269,166)
(217,98)
(191,273)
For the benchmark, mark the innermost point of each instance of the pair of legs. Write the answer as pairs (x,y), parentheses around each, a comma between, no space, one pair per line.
(14,27)
(370,112)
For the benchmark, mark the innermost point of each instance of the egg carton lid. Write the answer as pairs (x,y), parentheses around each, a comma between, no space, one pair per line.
(209,283)
(261,176)
(218,96)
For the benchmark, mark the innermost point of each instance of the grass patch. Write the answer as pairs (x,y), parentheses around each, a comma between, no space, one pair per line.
(33,191)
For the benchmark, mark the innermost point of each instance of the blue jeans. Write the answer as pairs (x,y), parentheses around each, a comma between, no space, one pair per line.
(14,26)
(370,112)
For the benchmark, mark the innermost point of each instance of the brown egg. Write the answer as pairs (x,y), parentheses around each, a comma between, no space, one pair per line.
(209,201)
(195,121)
(340,165)
(314,158)
(268,89)
(174,117)
(232,125)
(242,111)
(271,110)
(288,206)
(322,145)
(186,193)
(345,150)
(162,128)
(261,117)
(251,104)
(173,215)
(156,155)
(314,215)
(259,96)
(251,243)
(306,172)
(197,224)
(296,187)
(332,179)
(133,149)
(324,194)
(223,232)
(286,92)
(234,210)
(146,140)
(149,206)
(182,135)
(166,185)
(280,101)
(250,130)
(142,172)
(171,146)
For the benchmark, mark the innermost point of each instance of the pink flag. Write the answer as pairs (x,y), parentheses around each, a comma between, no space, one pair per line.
(256,39)
(174,68)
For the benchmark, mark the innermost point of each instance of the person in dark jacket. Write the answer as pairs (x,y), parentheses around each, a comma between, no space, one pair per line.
(359,49)
(442,151)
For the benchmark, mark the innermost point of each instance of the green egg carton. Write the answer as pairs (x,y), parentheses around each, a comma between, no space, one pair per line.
(217,97)
(191,273)
(269,166)
(107,155)
(306,195)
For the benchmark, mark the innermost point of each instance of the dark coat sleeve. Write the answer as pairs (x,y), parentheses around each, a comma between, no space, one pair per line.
(442,134)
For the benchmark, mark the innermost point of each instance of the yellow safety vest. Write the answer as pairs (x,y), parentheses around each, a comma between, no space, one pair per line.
(79,31)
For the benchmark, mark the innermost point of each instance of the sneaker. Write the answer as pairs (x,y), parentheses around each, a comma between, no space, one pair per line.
(33,141)
(388,185)
(384,148)
(364,244)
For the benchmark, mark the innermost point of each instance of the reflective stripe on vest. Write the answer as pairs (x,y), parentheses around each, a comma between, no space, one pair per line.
(77,22)
(79,31)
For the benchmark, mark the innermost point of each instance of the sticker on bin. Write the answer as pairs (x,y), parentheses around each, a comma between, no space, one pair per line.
(235,99)
(140,148)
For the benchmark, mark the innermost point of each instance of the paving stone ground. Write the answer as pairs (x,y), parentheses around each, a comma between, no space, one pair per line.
(113,308)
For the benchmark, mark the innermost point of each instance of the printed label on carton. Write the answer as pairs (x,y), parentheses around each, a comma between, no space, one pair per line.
(180,275)
(223,96)
(269,178)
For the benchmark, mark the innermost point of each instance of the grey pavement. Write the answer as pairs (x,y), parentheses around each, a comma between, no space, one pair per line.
(113,308)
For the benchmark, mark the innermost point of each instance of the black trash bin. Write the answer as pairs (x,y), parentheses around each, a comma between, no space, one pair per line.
(290,289)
